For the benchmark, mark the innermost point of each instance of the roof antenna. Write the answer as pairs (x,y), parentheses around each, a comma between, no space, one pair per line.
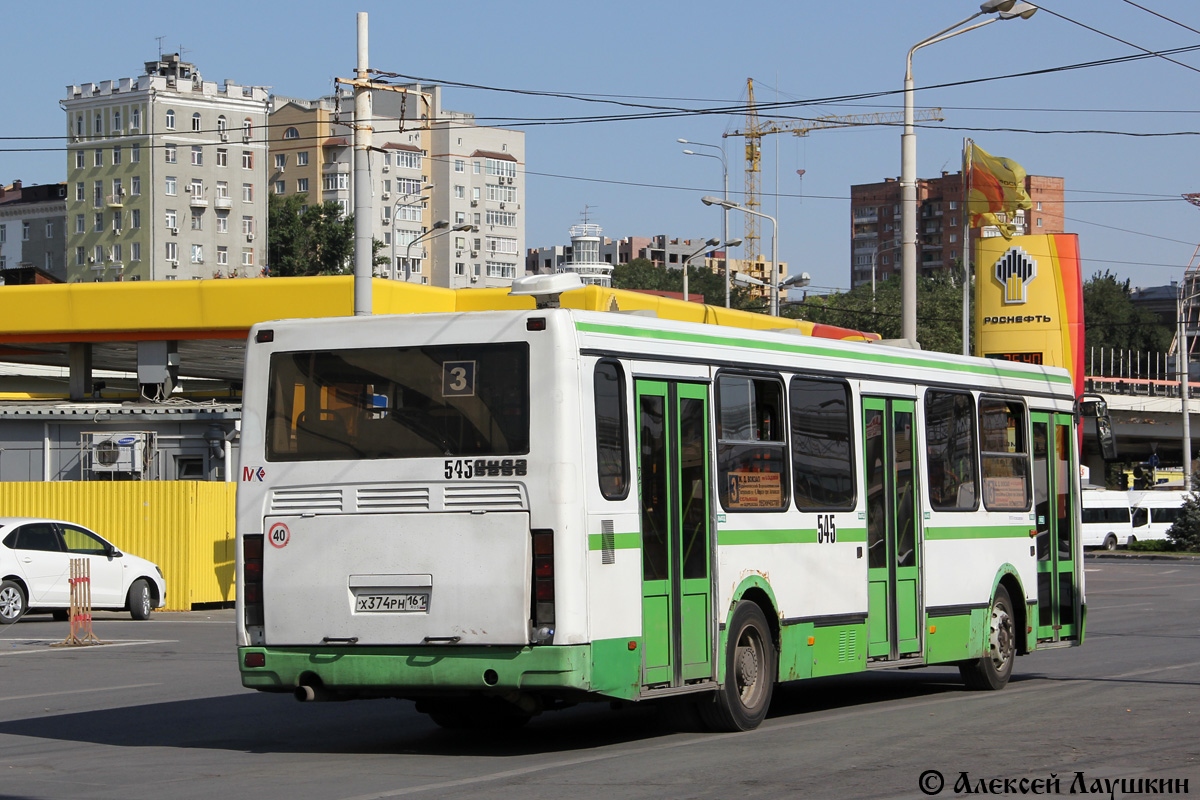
(160,41)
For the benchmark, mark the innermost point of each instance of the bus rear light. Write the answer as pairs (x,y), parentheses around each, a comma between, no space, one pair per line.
(255,660)
(543,581)
(535,324)
(252,578)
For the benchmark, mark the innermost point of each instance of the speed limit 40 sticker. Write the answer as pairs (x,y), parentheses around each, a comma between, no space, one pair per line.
(279,535)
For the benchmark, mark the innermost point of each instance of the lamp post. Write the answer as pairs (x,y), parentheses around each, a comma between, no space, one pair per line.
(711,243)
(1181,358)
(725,211)
(1004,9)
(438,228)
(709,200)
(395,215)
(797,280)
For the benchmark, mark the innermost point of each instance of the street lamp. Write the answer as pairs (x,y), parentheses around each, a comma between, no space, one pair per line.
(711,243)
(725,212)
(438,228)
(797,280)
(396,216)
(709,200)
(1004,9)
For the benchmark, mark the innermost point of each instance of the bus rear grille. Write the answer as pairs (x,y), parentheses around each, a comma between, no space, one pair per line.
(392,498)
(301,501)
(496,496)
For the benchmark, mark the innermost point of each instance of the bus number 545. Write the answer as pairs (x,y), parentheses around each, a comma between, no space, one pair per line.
(826,529)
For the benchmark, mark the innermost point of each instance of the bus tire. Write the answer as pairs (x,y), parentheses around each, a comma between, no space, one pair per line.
(1110,542)
(139,600)
(12,602)
(741,703)
(993,670)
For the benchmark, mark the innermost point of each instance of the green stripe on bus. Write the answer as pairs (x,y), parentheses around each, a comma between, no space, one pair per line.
(621,541)
(787,536)
(982,532)
(810,349)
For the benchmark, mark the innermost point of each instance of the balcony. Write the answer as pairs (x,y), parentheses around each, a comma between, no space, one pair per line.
(223,202)
(198,200)
(115,200)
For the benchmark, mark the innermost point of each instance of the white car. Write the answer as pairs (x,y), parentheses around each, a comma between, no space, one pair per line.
(35,571)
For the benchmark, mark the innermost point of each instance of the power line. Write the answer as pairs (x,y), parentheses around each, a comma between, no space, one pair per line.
(1161,16)
(1116,38)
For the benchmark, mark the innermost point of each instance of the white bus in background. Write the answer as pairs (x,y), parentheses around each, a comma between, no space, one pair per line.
(1154,512)
(495,513)
(1114,518)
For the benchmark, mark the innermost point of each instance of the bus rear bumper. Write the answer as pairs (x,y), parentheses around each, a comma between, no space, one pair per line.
(417,670)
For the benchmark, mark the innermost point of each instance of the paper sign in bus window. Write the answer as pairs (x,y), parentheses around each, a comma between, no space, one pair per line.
(458,379)
(755,490)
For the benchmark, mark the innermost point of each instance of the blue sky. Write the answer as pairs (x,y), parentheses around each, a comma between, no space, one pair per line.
(1122,191)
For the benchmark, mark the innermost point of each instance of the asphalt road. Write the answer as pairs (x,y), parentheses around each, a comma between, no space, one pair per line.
(160,713)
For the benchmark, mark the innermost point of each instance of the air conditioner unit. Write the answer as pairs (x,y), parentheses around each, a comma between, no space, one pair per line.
(91,260)
(187,189)
(174,231)
(474,279)
(224,136)
(474,204)
(249,237)
(174,264)
(387,195)
(474,254)
(119,452)
(509,181)
(386,168)
(502,205)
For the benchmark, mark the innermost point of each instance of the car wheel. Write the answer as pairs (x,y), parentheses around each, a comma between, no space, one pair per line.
(12,602)
(139,600)
(1110,542)
(993,670)
(741,703)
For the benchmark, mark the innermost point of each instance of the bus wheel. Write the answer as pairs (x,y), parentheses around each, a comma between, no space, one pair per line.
(1110,542)
(993,670)
(742,703)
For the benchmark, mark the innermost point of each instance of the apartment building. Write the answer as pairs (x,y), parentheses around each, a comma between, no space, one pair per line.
(32,235)
(429,165)
(875,223)
(166,177)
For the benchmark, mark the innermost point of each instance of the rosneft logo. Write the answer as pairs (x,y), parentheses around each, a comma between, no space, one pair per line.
(1016,270)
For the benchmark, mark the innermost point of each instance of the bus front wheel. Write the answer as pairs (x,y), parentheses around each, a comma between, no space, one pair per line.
(1110,542)
(741,703)
(993,670)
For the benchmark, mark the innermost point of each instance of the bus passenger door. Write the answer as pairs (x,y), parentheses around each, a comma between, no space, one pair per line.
(1056,535)
(893,527)
(673,483)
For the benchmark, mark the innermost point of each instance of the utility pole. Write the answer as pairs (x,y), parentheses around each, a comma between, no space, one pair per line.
(363,208)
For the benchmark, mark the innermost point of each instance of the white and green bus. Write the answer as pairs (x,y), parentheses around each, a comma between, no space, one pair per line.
(496,513)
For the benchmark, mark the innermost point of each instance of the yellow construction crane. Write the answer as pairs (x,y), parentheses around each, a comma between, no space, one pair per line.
(756,129)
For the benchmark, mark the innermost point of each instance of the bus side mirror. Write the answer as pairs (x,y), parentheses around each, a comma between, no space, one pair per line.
(1096,407)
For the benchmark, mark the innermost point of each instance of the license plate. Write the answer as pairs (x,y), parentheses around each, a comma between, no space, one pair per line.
(391,602)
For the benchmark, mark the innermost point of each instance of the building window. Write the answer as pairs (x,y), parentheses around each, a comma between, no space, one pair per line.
(116,156)
(291,133)
(80,225)
(222,222)
(98,193)
(302,184)
(340,181)
(196,121)
(135,154)
(1039,222)
(117,253)
(117,120)
(222,157)
(280,161)
(117,190)
(460,268)
(460,217)
(135,251)
(79,125)
(247,192)
(172,251)
(79,192)
(222,256)
(247,225)
(502,244)
(247,256)
(171,218)
(97,123)
(197,219)
(506,169)
(247,128)
(280,187)
(222,190)
(135,185)
(504,194)
(79,160)
(135,118)
(506,219)
(751,458)
(197,254)
(197,156)
(170,185)
(302,159)
(98,158)
(247,159)
(169,154)
(408,159)
(98,254)
(499,269)
(80,256)
(460,192)
(170,119)
(222,125)
(135,218)
(460,165)
(49,230)
(476,167)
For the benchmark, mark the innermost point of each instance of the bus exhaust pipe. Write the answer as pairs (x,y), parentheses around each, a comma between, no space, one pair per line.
(309,693)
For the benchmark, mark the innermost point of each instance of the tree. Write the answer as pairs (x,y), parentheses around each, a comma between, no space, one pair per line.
(1112,321)
(641,273)
(939,310)
(1184,533)
(317,240)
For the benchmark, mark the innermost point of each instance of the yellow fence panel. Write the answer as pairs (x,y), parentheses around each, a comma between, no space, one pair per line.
(186,527)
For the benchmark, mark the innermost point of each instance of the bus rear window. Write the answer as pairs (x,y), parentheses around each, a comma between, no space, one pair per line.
(399,402)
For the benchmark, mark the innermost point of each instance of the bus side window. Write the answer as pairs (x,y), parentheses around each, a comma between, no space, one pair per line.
(612,454)
(952,455)
(1140,517)
(751,451)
